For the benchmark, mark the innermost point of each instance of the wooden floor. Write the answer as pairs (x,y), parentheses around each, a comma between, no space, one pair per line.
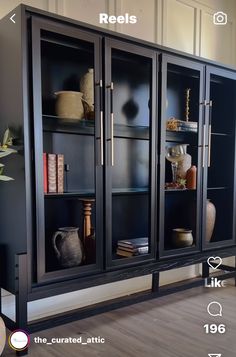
(170,326)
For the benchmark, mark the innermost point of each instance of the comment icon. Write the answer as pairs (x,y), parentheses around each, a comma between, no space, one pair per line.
(215,309)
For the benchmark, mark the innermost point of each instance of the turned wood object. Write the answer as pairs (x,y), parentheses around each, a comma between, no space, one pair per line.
(87,211)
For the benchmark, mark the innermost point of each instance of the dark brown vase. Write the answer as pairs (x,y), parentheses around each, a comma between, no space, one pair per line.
(68,247)
(210,219)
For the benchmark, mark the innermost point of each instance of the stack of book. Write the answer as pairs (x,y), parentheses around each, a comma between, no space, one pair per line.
(187,126)
(132,247)
(174,124)
(53,170)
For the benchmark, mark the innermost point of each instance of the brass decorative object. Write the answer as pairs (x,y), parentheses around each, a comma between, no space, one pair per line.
(187,108)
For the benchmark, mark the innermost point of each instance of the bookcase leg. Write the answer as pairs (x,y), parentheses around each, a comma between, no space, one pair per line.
(155,281)
(235,269)
(21,296)
(205,270)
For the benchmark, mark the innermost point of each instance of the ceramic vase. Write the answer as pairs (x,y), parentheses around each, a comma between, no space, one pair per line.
(210,219)
(87,88)
(2,335)
(68,247)
(191,178)
(184,164)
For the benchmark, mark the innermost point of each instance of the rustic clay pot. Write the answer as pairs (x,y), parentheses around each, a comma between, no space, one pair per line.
(68,247)
(182,237)
(210,219)
(69,105)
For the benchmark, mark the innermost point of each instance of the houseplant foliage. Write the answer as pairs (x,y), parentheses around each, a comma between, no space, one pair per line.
(5,150)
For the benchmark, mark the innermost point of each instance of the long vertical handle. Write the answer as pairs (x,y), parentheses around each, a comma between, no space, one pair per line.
(204,103)
(112,125)
(209,133)
(101,125)
(204,145)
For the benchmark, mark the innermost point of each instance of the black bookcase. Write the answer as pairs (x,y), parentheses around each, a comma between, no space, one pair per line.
(116,159)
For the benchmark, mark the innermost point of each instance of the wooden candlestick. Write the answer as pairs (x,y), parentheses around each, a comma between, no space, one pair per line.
(87,212)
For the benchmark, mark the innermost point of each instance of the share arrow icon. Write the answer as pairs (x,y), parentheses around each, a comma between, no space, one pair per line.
(214,355)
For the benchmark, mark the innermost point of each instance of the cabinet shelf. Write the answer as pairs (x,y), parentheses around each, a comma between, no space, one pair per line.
(53,124)
(218,188)
(180,190)
(181,136)
(70,126)
(81,193)
(221,134)
(131,132)
(91,193)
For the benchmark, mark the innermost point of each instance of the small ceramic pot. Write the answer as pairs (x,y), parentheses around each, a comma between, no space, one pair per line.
(69,105)
(182,238)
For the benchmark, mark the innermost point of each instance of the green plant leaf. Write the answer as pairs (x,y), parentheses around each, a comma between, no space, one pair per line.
(6,152)
(5,178)
(1,165)
(6,137)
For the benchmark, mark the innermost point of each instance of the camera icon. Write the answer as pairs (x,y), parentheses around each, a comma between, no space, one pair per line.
(220,18)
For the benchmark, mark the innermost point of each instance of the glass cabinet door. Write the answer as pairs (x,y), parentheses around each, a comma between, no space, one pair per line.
(68,155)
(130,153)
(181,156)
(219,158)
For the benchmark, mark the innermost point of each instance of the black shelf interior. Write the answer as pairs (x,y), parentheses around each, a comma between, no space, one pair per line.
(178,80)
(180,212)
(55,124)
(62,213)
(222,200)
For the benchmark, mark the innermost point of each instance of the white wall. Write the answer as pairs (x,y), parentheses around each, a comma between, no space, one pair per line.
(186,25)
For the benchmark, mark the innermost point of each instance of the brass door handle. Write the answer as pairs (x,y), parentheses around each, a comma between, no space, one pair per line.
(204,145)
(101,125)
(111,86)
(209,133)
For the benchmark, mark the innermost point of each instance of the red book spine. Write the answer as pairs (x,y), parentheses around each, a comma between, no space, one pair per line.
(45,173)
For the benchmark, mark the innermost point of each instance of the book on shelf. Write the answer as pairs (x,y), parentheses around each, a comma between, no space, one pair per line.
(45,173)
(60,173)
(132,247)
(130,253)
(186,129)
(133,243)
(52,173)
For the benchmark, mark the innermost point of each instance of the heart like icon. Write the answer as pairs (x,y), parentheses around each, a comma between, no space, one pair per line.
(215,259)
(214,354)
